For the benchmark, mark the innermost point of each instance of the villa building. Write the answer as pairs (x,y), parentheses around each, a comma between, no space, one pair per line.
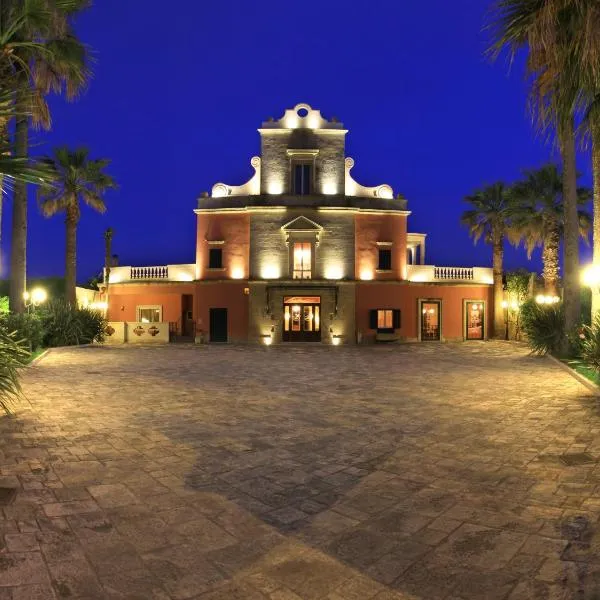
(301,252)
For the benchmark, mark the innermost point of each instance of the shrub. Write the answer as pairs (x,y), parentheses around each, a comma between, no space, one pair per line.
(13,354)
(590,344)
(66,325)
(543,325)
(93,325)
(3,305)
(26,327)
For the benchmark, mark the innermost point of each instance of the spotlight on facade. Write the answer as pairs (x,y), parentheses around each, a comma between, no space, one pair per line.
(333,272)
(270,272)
(275,187)
(267,339)
(366,274)
(237,273)
(329,189)
(504,304)
(336,340)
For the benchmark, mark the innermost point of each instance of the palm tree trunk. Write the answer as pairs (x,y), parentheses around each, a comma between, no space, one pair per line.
(550,261)
(596,209)
(71,258)
(497,262)
(18,249)
(571,288)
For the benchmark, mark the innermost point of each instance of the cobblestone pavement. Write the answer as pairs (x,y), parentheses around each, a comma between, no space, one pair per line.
(452,471)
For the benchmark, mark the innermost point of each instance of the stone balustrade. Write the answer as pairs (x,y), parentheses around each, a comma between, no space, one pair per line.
(155,273)
(435,274)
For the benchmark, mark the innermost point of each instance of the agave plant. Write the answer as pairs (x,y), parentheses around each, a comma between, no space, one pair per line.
(13,355)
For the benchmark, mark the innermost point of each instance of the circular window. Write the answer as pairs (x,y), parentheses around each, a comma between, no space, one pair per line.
(302,112)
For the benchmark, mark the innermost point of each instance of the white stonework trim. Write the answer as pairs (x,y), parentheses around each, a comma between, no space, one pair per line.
(355,189)
(250,188)
(385,243)
(215,242)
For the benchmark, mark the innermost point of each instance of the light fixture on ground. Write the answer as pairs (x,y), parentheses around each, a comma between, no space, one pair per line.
(543,299)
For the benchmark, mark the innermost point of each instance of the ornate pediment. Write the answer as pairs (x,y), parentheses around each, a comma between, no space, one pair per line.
(302,225)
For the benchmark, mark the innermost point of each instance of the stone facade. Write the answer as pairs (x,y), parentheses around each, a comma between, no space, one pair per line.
(269,253)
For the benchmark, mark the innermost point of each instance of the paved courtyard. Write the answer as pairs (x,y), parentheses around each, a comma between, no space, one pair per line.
(452,471)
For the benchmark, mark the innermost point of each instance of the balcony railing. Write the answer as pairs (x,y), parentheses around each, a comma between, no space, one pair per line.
(434,274)
(156,273)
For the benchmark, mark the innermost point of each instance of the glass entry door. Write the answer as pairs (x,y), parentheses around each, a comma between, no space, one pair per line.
(430,314)
(475,315)
(302,319)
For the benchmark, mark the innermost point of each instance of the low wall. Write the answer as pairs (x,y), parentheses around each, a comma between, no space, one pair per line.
(115,332)
(133,332)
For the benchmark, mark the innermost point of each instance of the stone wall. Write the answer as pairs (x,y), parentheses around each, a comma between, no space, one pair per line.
(329,176)
(270,256)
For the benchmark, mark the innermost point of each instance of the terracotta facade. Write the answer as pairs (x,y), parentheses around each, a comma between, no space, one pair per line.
(302,252)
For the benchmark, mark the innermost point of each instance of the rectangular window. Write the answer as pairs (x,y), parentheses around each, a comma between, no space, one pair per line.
(149,314)
(385,259)
(215,258)
(384,320)
(302,257)
(302,175)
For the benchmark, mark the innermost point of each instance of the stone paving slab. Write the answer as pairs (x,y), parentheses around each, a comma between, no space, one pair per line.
(300,473)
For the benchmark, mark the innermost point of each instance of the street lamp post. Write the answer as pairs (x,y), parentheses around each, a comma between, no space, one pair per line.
(34,298)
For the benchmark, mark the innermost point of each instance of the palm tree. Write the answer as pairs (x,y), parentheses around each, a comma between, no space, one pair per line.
(56,62)
(490,219)
(539,218)
(550,31)
(77,179)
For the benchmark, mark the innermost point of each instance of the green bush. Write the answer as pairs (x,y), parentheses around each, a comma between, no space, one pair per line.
(66,325)
(13,355)
(3,305)
(590,344)
(27,327)
(543,325)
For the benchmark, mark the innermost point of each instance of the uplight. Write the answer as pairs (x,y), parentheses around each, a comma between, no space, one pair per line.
(237,273)
(366,274)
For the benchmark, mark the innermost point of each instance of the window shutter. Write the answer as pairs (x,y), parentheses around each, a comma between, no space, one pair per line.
(396,319)
(373,319)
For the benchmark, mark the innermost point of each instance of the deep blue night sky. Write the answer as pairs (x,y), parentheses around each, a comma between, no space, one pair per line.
(177,97)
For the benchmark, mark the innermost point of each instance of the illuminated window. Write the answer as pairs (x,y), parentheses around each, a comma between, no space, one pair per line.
(302,257)
(149,314)
(385,259)
(215,258)
(384,320)
(302,175)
